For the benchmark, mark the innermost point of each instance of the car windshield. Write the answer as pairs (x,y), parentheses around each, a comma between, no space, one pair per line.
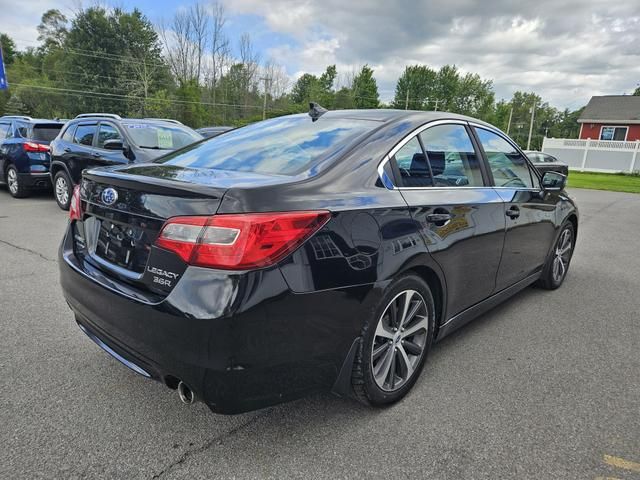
(283,146)
(161,136)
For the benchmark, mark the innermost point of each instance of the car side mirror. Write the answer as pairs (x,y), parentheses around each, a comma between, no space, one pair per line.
(553,181)
(114,144)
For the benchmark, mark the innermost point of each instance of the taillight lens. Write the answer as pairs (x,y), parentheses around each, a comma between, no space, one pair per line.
(35,147)
(239,241)
(75,207)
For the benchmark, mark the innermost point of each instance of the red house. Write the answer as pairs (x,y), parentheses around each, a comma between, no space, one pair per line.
(611,117)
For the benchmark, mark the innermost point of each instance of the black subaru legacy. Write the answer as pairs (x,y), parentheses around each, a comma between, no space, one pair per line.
(309,252)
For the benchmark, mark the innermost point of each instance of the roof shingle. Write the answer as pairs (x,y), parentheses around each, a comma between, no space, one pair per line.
(612,108)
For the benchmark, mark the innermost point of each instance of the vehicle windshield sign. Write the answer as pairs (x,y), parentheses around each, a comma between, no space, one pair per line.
(161,137)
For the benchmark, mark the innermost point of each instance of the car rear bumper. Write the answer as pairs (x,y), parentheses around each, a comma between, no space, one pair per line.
(35,180)
(240,342)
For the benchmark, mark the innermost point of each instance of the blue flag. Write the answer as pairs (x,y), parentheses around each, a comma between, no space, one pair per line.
(3,76)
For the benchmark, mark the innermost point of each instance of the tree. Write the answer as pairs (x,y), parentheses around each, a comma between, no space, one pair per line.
(301,91)
(8,49)
(52,30)
(637,92)
(365,89)
(415,88)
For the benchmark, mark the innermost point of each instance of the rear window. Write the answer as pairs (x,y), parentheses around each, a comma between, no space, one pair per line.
(46,133)
(161,137)
(282,146)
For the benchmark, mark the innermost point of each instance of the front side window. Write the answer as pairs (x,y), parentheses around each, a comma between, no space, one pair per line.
(413,166)
(613,133)
(107,132)
(509,167)
(85,133)
(451,155)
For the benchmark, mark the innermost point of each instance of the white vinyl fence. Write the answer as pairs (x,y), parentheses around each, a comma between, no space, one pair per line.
(595,155)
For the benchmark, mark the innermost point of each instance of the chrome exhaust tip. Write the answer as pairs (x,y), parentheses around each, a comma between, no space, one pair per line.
(185,394)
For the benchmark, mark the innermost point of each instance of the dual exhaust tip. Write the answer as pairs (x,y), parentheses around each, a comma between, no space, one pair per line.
(185,393)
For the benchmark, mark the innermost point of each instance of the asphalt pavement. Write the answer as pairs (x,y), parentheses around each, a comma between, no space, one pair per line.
(546,386)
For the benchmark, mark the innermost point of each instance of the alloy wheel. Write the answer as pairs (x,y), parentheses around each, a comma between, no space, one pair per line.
(562,255)
(12,180)
(400,340)
(62,191)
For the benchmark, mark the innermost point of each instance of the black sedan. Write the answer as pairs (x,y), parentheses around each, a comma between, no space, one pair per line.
(547,163)
(305,253)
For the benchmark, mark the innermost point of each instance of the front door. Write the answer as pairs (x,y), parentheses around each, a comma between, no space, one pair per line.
(529,213)
(108,131)
(461,217)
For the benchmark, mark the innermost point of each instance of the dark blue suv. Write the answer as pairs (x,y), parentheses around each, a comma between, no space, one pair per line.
(24,153)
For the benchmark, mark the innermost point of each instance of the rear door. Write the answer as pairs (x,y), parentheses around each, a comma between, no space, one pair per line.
(81,154)
(461,217)
(529,213)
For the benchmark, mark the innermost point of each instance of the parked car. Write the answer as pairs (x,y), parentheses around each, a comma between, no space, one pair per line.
(24,153)
(210,132)
(301,254)
(101,139)
(547,163)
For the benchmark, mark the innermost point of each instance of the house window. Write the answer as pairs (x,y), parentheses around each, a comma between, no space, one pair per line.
(613,133)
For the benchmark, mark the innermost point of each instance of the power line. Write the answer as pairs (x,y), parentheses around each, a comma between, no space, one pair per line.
(129,97)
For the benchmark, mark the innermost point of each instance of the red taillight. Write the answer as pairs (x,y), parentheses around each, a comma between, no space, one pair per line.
(239,241)
(75,207)
(35,147)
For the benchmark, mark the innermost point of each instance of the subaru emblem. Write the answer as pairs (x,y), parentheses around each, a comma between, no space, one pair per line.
(109,196)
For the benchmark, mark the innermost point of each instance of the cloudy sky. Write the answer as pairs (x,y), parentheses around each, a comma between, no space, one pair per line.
(565,50)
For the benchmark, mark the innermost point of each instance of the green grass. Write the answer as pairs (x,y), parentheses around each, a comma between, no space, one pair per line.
(616,182)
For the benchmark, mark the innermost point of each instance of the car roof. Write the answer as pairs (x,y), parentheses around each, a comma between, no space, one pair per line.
(10,118)
(384,115)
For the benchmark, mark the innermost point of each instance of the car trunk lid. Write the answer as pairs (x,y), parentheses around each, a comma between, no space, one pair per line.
(126,207)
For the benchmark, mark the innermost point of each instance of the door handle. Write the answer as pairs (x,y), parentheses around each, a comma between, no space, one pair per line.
(513,212)
(96,155)
(438,218)
(67,149)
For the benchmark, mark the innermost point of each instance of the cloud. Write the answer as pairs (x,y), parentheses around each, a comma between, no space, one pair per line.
(565,51)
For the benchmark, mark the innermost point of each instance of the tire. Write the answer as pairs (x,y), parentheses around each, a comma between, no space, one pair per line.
(15,186)
(370,383)
(62,189)
(557,266)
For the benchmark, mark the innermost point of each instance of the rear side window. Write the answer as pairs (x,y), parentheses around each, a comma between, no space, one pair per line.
(67,136)
(413,166)
(4,130)
(451,155)
(22,130)
(46,133)
(84,134)
(508,166)
(283,146)
(107,132)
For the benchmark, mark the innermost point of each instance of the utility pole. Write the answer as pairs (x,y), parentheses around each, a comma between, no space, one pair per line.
(406,100)
(533,114)
(264,103)
(436,107)
(510,117)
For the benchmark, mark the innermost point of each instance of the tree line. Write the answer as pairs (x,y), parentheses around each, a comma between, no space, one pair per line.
(117,61)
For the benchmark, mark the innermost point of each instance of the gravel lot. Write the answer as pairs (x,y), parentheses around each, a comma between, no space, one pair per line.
(546,386)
